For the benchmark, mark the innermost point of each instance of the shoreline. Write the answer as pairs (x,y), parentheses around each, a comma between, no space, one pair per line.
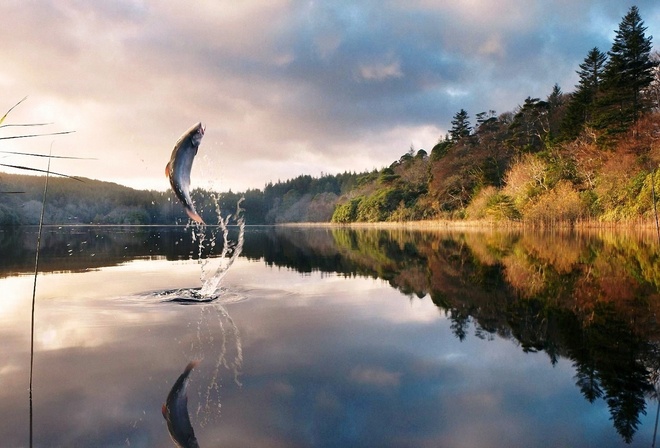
(484,224)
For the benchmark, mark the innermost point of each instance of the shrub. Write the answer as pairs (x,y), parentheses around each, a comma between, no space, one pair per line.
(560,204)
(347,212)
(526,179)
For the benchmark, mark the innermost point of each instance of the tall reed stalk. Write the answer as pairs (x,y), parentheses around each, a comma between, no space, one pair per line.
(34,288)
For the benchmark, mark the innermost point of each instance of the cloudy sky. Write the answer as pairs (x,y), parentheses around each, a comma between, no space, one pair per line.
(283,87)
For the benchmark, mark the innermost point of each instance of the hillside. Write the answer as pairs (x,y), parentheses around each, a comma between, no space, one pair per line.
(89,201)
(81,202)
(592,154)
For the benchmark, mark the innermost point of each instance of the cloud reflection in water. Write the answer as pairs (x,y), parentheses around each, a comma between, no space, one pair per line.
(327,361)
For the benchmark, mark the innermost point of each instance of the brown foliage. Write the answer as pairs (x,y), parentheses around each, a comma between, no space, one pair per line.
(562,204)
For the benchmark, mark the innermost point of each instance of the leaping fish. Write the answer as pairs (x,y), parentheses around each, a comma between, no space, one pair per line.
(179,166)
(175,411)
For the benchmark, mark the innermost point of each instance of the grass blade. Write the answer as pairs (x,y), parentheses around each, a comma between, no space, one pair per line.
(36,135)
(20,167)
(18,153)
(10,109)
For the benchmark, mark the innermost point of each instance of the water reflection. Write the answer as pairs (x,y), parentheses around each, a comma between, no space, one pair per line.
(591,299)
(175,411)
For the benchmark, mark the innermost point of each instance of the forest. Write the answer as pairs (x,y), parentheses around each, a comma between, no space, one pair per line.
(588,156)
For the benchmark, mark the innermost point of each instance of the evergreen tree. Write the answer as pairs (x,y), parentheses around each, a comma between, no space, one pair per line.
(555,102)
(591,70)
(581,104)
(530,125)
(629,70)
(484,119)
(460,126)
(652,92)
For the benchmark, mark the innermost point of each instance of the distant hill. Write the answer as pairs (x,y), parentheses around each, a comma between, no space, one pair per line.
(89,201)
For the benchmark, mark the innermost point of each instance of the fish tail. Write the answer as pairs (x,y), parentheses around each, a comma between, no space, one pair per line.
(192,214)
(192,364)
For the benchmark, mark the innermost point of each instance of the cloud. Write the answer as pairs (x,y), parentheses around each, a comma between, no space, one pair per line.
(375,376)
(381,71)
(281,82)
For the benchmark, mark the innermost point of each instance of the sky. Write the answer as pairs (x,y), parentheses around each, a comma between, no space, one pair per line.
(283,87)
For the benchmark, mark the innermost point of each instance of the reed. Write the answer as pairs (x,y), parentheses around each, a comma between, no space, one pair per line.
(48,172)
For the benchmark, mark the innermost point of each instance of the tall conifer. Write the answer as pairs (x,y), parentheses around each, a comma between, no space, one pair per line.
(580,107)
(629,70)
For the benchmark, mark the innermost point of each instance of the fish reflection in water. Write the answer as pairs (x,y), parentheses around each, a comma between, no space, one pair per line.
(217,339)
(175,411)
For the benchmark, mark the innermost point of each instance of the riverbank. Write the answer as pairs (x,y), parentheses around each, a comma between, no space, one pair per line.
(647,224)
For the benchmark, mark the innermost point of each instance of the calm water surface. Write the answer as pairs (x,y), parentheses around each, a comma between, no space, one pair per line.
(333,338)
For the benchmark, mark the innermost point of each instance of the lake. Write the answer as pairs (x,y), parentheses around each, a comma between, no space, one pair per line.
(332,337)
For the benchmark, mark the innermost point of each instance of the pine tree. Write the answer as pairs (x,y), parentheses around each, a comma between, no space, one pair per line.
(591,70)
(460,126)
(530,126)
(629,70)
(555,101)
(581,104)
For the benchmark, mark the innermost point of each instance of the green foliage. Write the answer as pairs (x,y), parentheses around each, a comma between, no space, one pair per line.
(500,207)
(530,125)
(345,213)
(378,206)
(387,176)
(582,101)
(8,217)
(440,149)
(460,126)
(629,70)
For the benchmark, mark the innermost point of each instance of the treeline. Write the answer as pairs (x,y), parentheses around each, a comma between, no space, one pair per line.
(588,155)
(303,199)
(84,201)
(89,201)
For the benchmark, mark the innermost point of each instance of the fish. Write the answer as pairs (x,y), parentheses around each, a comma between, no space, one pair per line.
(175,411)
(179,166)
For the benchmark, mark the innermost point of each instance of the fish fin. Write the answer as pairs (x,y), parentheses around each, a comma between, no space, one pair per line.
(167,169)
(194,216)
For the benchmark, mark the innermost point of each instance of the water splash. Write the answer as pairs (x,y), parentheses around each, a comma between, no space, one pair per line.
(213,269)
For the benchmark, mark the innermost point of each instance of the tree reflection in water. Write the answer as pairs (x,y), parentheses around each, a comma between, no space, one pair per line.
(587,298)
(590,298)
